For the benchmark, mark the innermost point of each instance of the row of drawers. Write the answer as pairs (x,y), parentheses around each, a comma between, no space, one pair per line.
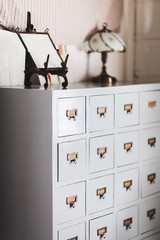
(101,192)
(72,112)
(129,146)
(127,227)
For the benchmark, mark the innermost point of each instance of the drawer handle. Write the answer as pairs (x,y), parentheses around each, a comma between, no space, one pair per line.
(72,114)
(71,201)
(102,232)
(128,146)
(72,157)
(102,111)
(128,108)
(152,104)
(151,178)
(152,142)
(127,223)
(127,185)
(102,152)
(151,214)
(74,238)
(101,192)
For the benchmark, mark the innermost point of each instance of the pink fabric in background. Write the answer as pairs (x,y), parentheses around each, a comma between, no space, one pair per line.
(69,21)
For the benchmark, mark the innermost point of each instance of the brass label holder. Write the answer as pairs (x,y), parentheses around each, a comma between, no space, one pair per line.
(102,152)
(102,111)
(151,214)
(127,185)
(72,114)
(127,223)
(152,142)
(74,238)
(151,178)
(101,192)
(128,146)
(102,232)
(152,104)
(72,200)
(72,157)
(128,108)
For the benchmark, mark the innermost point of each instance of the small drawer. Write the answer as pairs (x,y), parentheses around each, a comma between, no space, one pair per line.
(150,143)
(76,232)
(127,223)
(101,153)
(153,237)
(71,159)
(150,215)
(150,179)
(101,113)
(128,109)
(70,202)
(127,186)
(100,193)
(150,107)
(71,116)
(127,148)
(102,228)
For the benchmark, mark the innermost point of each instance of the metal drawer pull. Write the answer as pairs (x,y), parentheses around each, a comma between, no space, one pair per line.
(151,214)
(102,111)
(128,146)
(128,108)
(74,238)
(102,232)
(72,114)
(151,178)
(127,185)
(72,200)
(101,192)
(127,223)
(152,142)
(102,152)
(72,157)
(152,104)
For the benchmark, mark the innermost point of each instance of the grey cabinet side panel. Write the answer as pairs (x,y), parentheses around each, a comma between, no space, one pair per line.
(25,164)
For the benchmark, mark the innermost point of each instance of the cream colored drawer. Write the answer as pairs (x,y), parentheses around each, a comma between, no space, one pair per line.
(128,109)
(127,148)
(76,232)
(150,179)
(150,215)
(127,223)
(127,186)
(101,153)
(71,159)
(102,228)
(151,106)
(71,116)
(100,193)
(153,237)
(70,202)
(101,112)
(150,143)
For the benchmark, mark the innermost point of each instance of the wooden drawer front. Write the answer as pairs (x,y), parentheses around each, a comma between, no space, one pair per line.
(70,202)
(101,153)
(102,228)
(101,113)
(127,148)
(150,179)
(76,232)
(150,107)
(127,223)
(150,143)
(72,159)
(128,109)
(71,116)
(100,193)
(153,237)
(127,186)
(150,215)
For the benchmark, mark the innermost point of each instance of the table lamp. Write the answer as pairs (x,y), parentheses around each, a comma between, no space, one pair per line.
(104,41)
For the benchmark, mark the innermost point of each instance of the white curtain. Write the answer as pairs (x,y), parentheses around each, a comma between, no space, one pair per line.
(69,21)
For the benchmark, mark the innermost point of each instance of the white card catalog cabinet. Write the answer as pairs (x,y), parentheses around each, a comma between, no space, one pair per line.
(81,163)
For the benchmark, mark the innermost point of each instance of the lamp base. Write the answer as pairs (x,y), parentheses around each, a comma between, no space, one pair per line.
(105,78)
